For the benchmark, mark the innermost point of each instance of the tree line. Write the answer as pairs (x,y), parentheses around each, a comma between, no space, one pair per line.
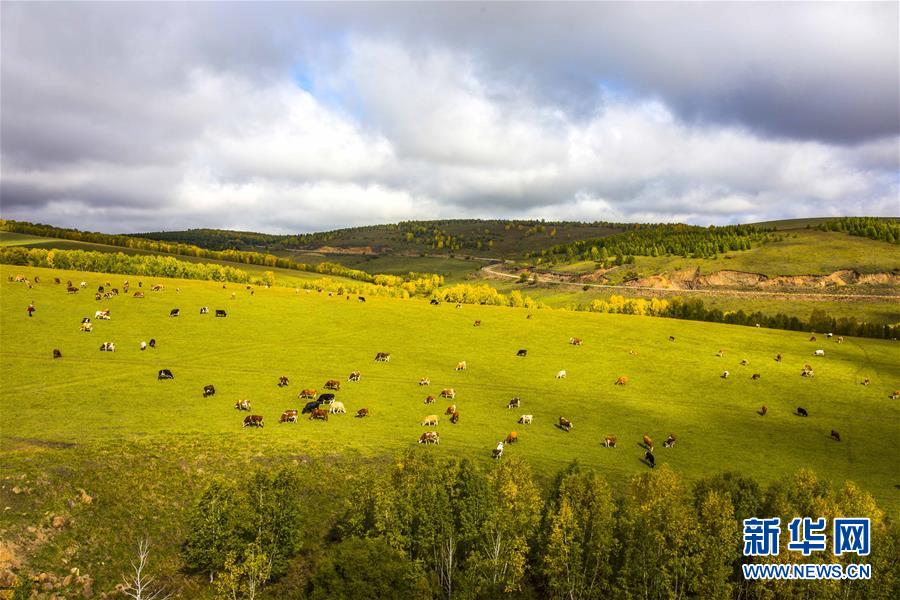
(427,527)
(874,228)
(693,309)
(659,240)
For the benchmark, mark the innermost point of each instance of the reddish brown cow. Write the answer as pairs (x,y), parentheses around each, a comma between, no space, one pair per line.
(308,393)
(283,381)
(454,418)
(333,384)
(512,438)
(289,416)
(253,421)
(565,424)
(610,441)
(648,443)
(763,410)
(622,380)
(450,409)
(319,413)
(835,435)
(363,412)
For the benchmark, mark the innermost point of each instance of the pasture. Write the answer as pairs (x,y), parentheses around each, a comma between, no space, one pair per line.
(675,387)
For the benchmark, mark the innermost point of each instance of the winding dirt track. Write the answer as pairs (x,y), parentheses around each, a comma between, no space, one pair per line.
(491,272)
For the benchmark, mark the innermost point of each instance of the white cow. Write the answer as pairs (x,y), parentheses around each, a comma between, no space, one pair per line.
(525,419)
(143,345)
(819,353)
(498,451)
(338,407)
(561,374)
(725,375)
(84,284)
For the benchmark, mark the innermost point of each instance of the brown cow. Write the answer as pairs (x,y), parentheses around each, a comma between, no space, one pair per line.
(430,420)
(763,410)
(755,376)
(354,376)
(778,358)
(576,341)
(139,294)
(461,366)
(648,443)
(71,290)
(670,441)
(253,421)
(57,353)
(429,399)
(512,438)
(333,384)
(610,441)
(812,338)
(242,405)
(745,362)
(363,412)
(865,381)
(622,380)
(319,413)
(565,424)
(430,437)
(895,395)
(454,418)
(450,409)
(289,416)
(283,381)
(308,393)
(835,435)
(424,381)
(448,393)
(478,323)
(840,339)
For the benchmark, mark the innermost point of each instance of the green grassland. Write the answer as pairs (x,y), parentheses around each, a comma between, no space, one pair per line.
(454,270)
(802,252)
(110,398)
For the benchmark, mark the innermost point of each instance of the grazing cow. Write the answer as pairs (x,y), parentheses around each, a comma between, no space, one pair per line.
(819,353)
(318,413)
(561,374)
(840,339)
(338,408)
(56,280)
(461,366)
(253,421)
(650,459)
(812,338)
(221,313)
(670,441)
(84,284)
(835,435)
(448,393)
(383,357)
(152,343)
(100,289)
(242,404)
(807,372)
(98,296)
(498,451)
(671,338)
(283,381)
(633,353)
(311,406)
(565,424)
(514,403)
(424,381)
(108,347)
(512,438)
(326,398)
(828,335)
(610,441)
(354,376)
(115,291)
(525,419)
(156,288)
(895,395)
(165,374)
(477,323)
(289,416)
(720,353)
(434,301)
(801,412)
(522,352)
(724,375)
(622,380)
(360,299)
(57,353)
(87,327)
(430,437)
(86,320)
(755,376)
(308,394)
(102,314)
(529,316)
(204,310)
(139,294)
(209,390)
(648,443)
(71,290)
(430,420)
(450,409)
(744,363)
(576,341)
(763,411)
(429,400)
(333,384)
(454,418)
(363,412)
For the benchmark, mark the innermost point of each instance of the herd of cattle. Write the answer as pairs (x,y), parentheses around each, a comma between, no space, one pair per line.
(320,406)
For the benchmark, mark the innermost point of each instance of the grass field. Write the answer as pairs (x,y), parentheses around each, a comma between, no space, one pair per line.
(89,396)
(802,252)
(453,269)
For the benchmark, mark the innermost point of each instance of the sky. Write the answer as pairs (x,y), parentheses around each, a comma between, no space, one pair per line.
(299,117)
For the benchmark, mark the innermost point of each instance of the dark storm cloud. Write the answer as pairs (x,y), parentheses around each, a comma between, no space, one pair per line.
(145,116)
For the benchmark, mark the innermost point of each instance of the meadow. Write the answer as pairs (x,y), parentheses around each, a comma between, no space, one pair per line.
(93,397)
